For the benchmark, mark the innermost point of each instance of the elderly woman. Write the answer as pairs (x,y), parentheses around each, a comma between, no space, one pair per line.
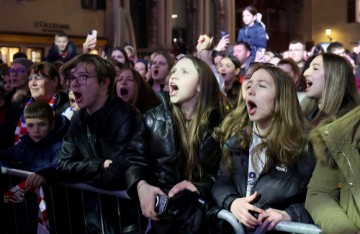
(44,85)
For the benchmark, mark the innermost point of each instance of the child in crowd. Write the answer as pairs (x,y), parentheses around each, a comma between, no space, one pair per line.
(38,150)
(62,49)
(253,31)
(69,112)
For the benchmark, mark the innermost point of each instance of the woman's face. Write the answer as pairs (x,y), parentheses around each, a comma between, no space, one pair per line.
(315,78)
(159,68)
(126,87)
(7,83)
(184,84)
(118,56)
(141,68)
(260,98)
(41,87)
(18,75)
(227,71)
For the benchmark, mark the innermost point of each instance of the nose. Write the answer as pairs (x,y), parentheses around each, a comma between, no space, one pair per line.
(306,72)
(250,91)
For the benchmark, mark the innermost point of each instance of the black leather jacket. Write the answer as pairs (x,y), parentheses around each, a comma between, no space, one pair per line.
(92,139)
(281,187)
(152,152)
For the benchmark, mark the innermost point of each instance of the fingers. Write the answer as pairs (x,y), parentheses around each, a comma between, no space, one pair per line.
(181,186)
(271,217)
(34,180)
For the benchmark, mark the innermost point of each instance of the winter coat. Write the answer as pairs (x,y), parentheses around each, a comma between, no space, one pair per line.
(152,156)
(281,187)
(333,198)
(254,35)
(39,157)
(54,55)
(92,139)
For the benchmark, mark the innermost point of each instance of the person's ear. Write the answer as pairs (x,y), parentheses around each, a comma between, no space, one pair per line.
(198,88)
(105,83)
(237,71)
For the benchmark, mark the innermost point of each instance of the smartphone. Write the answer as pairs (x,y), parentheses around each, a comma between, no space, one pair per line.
(161,202)
(223,33)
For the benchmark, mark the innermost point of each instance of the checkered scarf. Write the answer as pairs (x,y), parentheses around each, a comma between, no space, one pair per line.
(17,194)
(21,129)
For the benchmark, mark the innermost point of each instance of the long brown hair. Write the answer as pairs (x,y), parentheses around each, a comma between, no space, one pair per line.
(286,138)
(191,133)
(340,94)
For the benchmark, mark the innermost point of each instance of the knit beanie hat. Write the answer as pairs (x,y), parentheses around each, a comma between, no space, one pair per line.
(23,61)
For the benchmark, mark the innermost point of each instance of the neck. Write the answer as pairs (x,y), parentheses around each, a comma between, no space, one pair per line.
(189,111)
(98,105)
(156,86)
(263,128)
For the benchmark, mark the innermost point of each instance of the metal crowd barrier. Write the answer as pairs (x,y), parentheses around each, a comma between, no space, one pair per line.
(284,226)
(71,220)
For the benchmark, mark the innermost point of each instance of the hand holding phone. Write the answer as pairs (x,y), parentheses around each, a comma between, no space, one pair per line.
(91,39)
(161,202)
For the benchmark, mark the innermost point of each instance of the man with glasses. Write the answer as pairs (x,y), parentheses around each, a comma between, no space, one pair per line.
(15,99)
(93,149)
(297,52)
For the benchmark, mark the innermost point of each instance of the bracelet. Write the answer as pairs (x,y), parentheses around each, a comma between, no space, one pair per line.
(144,182)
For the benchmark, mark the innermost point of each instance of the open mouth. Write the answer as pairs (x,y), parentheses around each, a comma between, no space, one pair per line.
(173,89)
(309,83)
(123,91)
(223,74)
(251,107)
(77,95)
(156,72)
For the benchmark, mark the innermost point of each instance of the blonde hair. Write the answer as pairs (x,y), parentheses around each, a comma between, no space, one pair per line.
(340,94)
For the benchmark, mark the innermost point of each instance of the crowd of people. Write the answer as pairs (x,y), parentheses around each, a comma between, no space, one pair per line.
(268,136)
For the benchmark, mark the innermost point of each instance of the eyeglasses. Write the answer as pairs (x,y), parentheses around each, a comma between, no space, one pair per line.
(80,80)
(36,77)
(18,71)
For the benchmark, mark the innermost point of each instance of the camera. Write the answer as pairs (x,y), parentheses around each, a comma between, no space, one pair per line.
(161,202)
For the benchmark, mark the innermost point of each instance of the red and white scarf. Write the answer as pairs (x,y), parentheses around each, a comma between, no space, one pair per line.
(17,194)
(21,129)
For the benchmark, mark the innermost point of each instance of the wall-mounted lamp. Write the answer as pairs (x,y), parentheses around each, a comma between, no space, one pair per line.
(328,33)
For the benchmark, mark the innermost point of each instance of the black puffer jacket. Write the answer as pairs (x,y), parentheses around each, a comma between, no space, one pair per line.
(92,139)
(282,187)
(152,152)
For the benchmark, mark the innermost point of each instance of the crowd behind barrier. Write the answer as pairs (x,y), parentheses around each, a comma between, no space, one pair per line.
(121,196)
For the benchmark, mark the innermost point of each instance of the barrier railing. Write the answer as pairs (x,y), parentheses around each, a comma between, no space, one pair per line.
(285,226)
(70,215)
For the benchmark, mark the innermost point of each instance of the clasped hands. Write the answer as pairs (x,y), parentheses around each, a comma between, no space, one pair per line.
(267,219)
